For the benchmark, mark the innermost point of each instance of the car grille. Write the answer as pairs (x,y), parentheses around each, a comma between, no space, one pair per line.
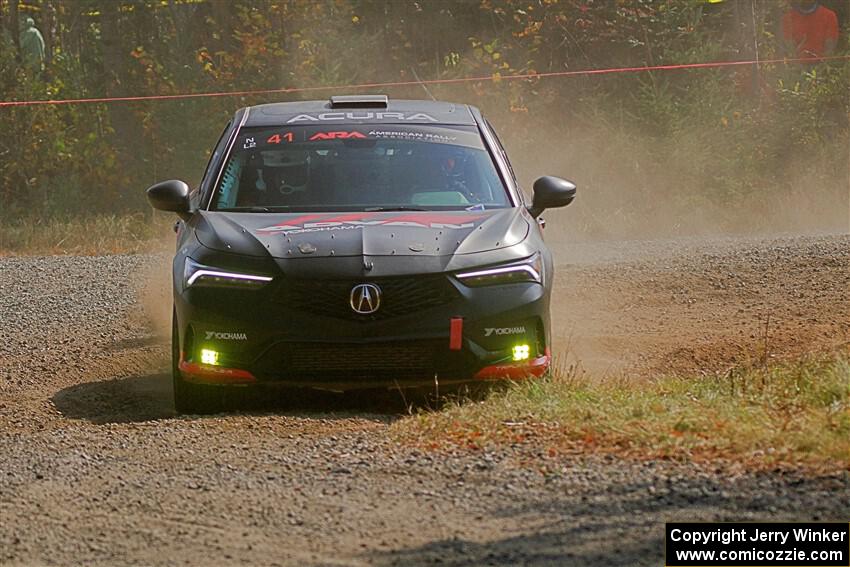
(385,361)
(399,296)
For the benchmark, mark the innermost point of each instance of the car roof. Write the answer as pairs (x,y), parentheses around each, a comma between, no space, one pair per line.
(360,109)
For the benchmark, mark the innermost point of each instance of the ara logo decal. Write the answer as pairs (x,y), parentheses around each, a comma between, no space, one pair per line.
(325,116)
(500,331)
(337,136)
(226,336)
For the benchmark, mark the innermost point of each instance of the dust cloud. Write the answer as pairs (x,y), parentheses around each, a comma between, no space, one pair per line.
(154,295)
(627,191)
(644,201)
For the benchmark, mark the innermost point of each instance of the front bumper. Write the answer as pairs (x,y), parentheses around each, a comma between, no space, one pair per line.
(216,375)
(268,337)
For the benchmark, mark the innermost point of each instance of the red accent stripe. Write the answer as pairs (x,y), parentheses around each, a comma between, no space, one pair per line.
(487,78)
(439,218)
(517,371)
(419,217)
(297,221)
(206,374)
(456,333)
(348,217)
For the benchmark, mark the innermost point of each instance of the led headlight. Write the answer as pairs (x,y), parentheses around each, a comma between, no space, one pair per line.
(528,270)
(195,274)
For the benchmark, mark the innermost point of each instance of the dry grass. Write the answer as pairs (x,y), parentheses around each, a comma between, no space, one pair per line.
(787,415)
(106,234)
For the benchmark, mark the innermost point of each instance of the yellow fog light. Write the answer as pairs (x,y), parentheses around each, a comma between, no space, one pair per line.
(209,356)
(521,352)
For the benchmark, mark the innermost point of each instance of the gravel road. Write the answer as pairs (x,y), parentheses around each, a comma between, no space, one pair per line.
(95,468)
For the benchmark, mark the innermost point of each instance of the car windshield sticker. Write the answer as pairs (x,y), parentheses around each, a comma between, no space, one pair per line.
(281,137)
(365,115)
(353,135)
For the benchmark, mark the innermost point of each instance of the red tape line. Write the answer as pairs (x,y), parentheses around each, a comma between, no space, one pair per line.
(287,90)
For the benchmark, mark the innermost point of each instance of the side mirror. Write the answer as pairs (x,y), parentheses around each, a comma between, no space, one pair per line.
(551,192)
(172,196)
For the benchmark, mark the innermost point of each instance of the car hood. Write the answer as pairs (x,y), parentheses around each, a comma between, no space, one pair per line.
(404,233)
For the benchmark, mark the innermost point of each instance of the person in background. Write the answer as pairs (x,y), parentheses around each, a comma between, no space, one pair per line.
(809,29)
(32,47)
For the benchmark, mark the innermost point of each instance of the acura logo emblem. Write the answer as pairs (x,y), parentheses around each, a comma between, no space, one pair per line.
(365,298)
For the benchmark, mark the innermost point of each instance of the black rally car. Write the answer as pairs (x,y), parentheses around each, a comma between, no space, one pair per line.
(358,242)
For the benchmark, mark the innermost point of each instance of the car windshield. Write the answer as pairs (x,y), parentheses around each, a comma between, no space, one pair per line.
(359,168)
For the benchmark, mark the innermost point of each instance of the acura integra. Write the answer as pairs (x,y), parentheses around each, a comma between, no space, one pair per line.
(359,242)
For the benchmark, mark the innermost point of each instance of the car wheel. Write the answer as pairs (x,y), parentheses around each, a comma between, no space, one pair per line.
(190,398)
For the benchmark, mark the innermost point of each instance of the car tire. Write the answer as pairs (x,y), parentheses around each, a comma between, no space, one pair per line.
(191,398)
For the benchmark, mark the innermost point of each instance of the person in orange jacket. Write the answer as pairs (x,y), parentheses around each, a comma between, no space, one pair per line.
(809,29)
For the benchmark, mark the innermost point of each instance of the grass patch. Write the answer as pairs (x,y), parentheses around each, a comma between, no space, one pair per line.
(103,234)
(795,414)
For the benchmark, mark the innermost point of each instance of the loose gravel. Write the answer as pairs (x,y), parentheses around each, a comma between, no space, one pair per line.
(96,469)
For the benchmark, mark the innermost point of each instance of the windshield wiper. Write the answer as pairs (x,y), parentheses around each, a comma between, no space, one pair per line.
(388,209)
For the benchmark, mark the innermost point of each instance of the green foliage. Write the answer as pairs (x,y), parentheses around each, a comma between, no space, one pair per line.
(724,133)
